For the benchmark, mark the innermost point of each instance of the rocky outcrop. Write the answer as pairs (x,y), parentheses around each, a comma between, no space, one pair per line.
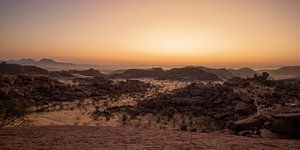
(244,109)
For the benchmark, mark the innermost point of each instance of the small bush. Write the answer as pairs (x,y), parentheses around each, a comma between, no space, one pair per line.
(12,110)
(105,103)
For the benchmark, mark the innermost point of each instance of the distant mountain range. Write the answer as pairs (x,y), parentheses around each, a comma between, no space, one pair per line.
(16,69)
(222,73)
(50,64)
(286,72)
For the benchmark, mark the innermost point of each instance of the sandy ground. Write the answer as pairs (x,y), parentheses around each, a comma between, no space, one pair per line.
(83,137)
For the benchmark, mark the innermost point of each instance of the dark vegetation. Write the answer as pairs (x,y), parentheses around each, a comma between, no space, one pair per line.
(12,110)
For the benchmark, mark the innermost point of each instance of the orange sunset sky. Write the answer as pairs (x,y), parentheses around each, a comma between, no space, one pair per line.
(186,32)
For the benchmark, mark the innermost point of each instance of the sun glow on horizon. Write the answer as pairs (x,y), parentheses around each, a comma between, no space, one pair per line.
(256,32)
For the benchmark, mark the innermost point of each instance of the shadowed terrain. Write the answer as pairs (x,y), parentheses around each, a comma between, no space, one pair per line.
(72,137)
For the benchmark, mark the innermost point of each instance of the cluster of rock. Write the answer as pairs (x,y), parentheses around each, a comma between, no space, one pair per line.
(99,86)
(273,126)
(42,90)
(248,109)
(217,101)
(37,89)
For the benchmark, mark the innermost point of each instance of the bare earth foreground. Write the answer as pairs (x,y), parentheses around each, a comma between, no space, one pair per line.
(83,137)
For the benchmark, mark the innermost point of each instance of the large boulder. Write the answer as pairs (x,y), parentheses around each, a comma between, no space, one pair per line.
(253,123)
(4,91)
(287,124)
(244,109)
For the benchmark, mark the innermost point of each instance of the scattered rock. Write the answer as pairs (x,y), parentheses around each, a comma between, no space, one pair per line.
(253,123)
(245,133)
(193,130)
(183,127)
(4,91)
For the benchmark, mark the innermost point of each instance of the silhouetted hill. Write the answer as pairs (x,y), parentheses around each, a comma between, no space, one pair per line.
(15,69)
(243,72)
(188,73)
(138,73)
(89,72)
(220,72)
(228,73)
(192,72)
(284,72)
(50,64)
(295,70)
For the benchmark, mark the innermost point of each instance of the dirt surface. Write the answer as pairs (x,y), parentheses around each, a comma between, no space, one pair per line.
(83,137)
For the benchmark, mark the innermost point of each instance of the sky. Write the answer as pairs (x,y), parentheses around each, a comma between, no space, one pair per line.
(179,32)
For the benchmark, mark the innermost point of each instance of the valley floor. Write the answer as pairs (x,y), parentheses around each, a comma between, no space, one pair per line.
(85,137)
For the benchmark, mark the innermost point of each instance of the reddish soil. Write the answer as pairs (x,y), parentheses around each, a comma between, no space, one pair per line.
(82,137)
